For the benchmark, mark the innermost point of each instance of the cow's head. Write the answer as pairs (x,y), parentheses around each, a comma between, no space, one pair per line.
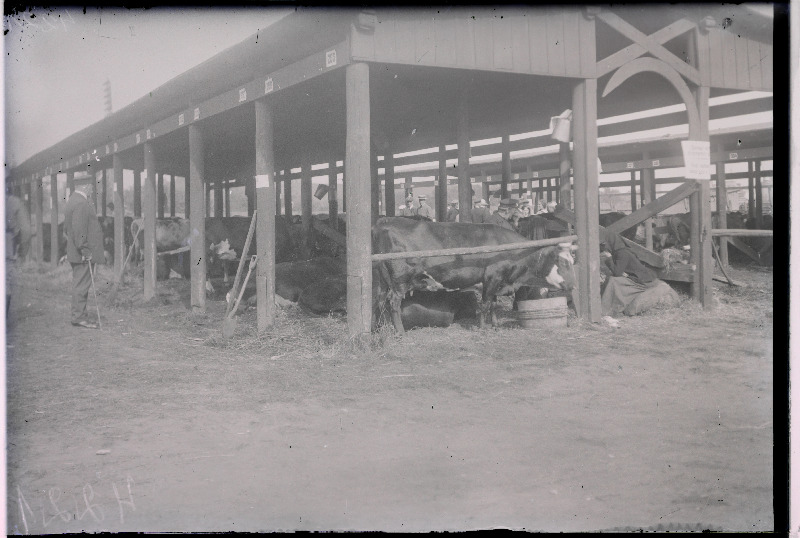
(220,251)
(561,274)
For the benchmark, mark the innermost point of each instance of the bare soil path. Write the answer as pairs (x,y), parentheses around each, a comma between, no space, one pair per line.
(665,423)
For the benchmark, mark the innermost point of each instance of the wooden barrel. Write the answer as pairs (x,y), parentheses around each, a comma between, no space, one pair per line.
(543,313)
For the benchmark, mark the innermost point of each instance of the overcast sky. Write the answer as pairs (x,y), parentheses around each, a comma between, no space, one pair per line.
(57,59)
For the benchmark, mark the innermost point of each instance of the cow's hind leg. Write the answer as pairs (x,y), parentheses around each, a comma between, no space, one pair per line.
(493,312)
(485,308)
(395,299)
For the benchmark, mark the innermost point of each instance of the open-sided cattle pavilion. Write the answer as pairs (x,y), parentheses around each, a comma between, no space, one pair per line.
(323,85)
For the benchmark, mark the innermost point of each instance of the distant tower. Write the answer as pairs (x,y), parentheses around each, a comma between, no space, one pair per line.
(107,97)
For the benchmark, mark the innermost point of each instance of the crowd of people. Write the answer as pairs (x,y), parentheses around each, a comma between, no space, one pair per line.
(508,211)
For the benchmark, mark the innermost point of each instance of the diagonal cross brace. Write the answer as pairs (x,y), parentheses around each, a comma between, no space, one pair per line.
(634,50)
(648,44)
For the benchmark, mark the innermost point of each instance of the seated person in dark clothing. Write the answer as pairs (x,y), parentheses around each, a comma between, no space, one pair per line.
(630,288)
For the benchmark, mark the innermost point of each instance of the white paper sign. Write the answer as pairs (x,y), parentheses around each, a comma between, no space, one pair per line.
(262,181)
(697,158)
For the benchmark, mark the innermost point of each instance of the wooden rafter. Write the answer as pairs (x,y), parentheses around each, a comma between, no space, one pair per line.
(649,44)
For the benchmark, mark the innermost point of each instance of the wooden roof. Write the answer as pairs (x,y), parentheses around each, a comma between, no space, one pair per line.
(421,60)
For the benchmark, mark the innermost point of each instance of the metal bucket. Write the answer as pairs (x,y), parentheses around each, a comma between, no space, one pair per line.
(543,313)
(321,191)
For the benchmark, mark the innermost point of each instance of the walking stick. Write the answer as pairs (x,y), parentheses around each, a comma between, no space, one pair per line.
(94,291)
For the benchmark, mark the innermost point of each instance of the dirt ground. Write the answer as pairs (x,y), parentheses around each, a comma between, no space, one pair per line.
(155,423)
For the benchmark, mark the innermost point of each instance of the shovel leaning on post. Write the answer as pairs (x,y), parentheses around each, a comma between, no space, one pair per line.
(229,323)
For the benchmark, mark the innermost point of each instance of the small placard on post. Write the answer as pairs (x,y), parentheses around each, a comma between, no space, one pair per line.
(262,181)
(697,158)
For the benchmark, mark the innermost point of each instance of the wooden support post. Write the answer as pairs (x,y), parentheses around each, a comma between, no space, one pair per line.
(565,188)
(333,196)
(701,214)
(391,201)
(648,180)
(149,233)
(506,166)
(207,188)
(374,188)
(751,199)
(587,213)
(54,219)
(93,174)
(278,196)
(441,195)
(103,192)
(218,203)
(759,196)
(160,193)
(484,188)
(344,191)
(633,191)
(70,185)
(187,197)
(226,188)
(250,194)
(305,206)
(287,199)
(137,193)
(265,224)
(172,195)
(464,185)
(722,210)
(119,216)
(38,205)
(357,194)
(197,203)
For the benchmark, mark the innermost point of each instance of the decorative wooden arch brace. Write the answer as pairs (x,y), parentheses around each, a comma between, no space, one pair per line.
(673,69)
(626,63)
(641,65)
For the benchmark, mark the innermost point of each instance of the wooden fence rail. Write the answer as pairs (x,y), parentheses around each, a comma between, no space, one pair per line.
(461,251)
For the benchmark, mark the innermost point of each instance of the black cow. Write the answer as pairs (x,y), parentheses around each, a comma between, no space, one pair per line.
(499,273)
(437,308)
(225,237)
(107,225)
(291,278)
(62,241)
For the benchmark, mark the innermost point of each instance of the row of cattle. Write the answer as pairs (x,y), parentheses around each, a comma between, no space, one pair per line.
(432,291)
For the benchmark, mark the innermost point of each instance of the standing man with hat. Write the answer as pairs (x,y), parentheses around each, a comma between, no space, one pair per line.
(84,247)
(482,215)
(452,211)
(408,209)
(424,210)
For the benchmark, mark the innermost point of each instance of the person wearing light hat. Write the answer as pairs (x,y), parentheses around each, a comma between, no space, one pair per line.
(525,207)
(452,211)
(84,247)
(424,210)
(481,203)
(408,210)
